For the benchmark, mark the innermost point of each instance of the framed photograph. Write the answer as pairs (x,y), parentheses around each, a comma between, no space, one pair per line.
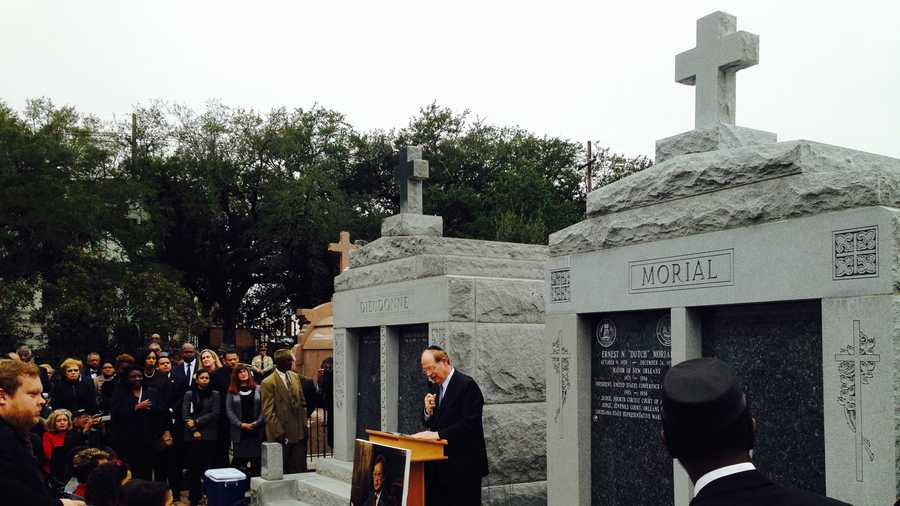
(380,474)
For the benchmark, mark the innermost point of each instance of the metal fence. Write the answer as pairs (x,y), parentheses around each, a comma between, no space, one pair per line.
(319,443)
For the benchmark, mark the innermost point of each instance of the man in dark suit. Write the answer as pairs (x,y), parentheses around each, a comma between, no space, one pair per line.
(453,413)
(189,365)
(708,427)
(378,496)
(171,388)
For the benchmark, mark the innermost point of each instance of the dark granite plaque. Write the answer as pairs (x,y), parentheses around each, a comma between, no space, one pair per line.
(368,383)
(777,352)
(630,353)
(413,385)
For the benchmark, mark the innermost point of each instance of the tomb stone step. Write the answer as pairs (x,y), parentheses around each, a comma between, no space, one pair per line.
(340,470)
(322,490)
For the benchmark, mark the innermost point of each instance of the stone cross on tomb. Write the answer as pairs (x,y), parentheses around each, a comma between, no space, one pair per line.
(411,171)
(712,67)
(344,247)
(559,356)
(856,364)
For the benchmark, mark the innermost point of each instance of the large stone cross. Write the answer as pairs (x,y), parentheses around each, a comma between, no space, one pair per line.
(712,67)
(343,247)
(559,356)
(410,172)
(861,358)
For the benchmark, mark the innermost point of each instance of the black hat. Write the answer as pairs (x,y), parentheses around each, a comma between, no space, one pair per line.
(701,396)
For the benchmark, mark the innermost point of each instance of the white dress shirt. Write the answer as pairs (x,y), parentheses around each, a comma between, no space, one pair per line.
(721,472)
(189,371)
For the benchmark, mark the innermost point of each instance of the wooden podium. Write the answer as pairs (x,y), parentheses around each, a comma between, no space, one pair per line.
(422,451)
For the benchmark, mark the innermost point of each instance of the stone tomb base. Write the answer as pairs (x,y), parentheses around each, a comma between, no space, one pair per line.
(482,302)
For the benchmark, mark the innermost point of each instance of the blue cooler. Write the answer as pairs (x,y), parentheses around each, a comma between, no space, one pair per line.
(225,487)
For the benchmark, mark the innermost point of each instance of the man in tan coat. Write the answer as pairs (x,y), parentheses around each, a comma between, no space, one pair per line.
(287,401)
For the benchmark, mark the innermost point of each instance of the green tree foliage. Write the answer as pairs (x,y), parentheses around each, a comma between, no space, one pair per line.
(68,233)
(236,208)
(112,306)
(608,167)
(244,202)
(496,183)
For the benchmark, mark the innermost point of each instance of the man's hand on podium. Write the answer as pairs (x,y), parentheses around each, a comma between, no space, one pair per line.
(427,434)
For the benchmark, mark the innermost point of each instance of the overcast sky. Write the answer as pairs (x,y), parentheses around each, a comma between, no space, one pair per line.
(600,70)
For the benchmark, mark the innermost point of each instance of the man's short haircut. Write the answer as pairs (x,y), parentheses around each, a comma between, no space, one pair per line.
(93,354)
(379,459)
(11,373)
(438,353)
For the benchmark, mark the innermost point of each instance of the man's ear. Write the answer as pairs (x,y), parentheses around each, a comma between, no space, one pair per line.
(753,424)
(4,396)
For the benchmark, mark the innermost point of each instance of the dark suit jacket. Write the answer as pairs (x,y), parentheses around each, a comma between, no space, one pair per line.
(751,488)
(74,395)
(384,500)
(132,428)
(204,411)
(20,477)
(171,390)
(458,420)
(178,371)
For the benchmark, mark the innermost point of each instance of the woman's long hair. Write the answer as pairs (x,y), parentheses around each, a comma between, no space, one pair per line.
(215,357)
(142,361)
(235,384)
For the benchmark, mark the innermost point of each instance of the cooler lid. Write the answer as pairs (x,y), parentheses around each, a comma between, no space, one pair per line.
(225,474)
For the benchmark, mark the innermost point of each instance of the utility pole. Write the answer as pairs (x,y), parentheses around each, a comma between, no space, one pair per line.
(588,166)
(134,142)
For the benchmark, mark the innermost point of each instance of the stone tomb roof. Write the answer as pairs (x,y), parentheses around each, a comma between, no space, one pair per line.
(403,258)
(730,188)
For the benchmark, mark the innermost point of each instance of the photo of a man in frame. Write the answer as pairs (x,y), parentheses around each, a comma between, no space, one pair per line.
(380,475)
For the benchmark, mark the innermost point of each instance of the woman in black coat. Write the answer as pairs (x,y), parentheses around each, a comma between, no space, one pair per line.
(200,412)
(137,422)
(71,391)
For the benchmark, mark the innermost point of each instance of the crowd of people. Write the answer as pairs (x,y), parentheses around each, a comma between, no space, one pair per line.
(149,425)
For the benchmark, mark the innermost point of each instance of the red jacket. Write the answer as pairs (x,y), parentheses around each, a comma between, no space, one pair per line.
(50,441)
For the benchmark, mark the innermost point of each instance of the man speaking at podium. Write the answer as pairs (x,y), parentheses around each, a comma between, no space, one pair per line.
(453,412)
